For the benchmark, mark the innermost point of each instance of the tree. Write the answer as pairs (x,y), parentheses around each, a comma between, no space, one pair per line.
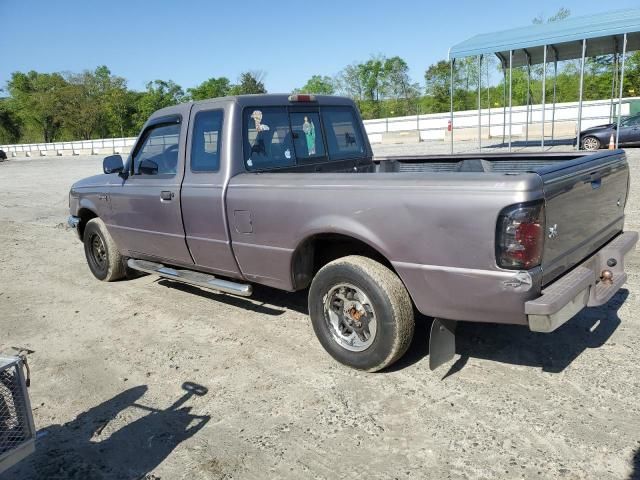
(398,86)
(349,82)
(159,94)
(10,122)
(437,85)
(211,88)
(249,83)
(39,101)
(561,14)
(322,85)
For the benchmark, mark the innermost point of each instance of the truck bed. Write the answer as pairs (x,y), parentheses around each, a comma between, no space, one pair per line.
(584,194)
(508,163)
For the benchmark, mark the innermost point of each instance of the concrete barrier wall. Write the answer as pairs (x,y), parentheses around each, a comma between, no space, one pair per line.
(430,127)
(465,123)
(107,146)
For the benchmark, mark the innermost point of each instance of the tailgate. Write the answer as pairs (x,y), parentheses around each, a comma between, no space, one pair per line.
(584,208)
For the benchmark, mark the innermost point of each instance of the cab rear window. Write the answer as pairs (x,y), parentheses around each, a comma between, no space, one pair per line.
(344,138)
(279,137)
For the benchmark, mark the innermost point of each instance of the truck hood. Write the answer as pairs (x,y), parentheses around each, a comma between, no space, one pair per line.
(94,181)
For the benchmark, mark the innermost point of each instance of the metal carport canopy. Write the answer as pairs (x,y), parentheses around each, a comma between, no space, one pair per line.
(603,33)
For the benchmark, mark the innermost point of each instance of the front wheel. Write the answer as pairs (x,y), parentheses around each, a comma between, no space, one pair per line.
(361,313)
(103,257)
(590,143)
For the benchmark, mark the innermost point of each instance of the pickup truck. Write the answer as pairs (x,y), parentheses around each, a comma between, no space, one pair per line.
(284,191)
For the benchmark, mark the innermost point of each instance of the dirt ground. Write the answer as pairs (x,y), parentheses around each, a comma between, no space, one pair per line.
(110,362)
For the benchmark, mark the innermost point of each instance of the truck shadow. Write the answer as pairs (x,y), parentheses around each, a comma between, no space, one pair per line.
(118,439)
(553,352)
(265,300)
(514,344)
(635,466)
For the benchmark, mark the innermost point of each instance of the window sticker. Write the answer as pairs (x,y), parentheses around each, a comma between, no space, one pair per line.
(259,145)
(287,154)
(310,133)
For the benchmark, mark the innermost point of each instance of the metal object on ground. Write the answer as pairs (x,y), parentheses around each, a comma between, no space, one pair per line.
(17,430)
(442,342)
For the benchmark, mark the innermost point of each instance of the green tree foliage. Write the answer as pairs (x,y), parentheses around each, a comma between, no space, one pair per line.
(381,87)
(211,88)
(10,122)
(39,101)
(159,94)
(319,84)
(249,83)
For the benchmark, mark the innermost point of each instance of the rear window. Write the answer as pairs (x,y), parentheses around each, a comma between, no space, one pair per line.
(307,136)
(281,137)
(268,140)
(344,139)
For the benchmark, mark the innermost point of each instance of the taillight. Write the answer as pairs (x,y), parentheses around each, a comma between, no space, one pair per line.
(520,236)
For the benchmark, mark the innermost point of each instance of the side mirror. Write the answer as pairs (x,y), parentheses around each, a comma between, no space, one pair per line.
(148,167)
(112,164)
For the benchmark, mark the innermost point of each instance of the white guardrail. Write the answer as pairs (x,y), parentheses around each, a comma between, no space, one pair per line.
(495,123)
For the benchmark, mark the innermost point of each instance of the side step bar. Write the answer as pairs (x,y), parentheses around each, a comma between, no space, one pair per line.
(198,279)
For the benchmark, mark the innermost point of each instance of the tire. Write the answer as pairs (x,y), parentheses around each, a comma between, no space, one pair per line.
(590,143)
(350,289)
(103,257)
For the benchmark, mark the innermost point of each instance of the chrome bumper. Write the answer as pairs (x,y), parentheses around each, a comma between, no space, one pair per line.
(581,287)
(72,223)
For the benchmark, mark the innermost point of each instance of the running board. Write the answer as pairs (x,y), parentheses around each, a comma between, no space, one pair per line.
(198,279)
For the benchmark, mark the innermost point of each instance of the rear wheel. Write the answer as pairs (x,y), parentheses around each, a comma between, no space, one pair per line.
(103,257)
(590,143)
(361,313)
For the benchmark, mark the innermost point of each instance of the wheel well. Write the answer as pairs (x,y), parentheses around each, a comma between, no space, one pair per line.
(315,252)
(85,215)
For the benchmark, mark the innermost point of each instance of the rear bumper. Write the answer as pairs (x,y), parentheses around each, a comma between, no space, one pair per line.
(581,287)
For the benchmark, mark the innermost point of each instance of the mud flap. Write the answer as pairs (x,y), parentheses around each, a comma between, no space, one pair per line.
(442,342)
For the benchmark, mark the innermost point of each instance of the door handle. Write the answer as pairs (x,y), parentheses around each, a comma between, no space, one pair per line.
(166,195)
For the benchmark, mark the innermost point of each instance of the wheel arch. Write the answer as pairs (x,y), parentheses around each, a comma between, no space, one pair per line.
(85,215)
(320,248)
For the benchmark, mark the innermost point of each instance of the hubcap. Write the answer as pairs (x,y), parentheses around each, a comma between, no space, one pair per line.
(350,317)
(98,251)
(590,144)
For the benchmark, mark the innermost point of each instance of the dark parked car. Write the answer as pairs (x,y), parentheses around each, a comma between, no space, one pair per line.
(3,156)
(598,137)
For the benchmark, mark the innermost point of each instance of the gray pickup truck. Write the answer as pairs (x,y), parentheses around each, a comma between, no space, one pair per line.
(284,191)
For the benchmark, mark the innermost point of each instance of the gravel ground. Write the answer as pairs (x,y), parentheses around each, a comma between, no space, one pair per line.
(110,361)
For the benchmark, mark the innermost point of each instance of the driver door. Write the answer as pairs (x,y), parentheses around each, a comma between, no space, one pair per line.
(146,210)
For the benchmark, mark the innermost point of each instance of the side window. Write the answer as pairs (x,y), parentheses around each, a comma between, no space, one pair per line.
(205,143)
(268,143)
(307,136)
(158,154)
(631,121)
(344,137)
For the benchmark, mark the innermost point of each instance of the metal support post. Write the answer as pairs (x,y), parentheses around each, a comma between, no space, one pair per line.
(584,50)
(624,54)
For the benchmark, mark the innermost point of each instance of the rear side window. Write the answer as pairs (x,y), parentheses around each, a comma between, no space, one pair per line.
(205,144)
(268,139)
(344,138)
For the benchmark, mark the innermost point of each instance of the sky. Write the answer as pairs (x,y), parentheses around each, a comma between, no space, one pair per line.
(188,41)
